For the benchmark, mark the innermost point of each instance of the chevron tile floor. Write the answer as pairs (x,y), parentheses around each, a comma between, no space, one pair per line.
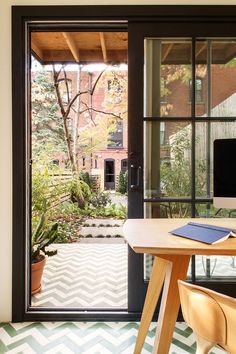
(87,338)
(94,275)
(85,275)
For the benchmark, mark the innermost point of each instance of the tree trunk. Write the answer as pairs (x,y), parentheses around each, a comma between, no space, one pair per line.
(76,122)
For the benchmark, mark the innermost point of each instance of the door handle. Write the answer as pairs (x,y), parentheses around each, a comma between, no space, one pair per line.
(135,177)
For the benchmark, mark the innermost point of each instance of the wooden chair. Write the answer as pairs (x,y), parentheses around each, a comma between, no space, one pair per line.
(212,317)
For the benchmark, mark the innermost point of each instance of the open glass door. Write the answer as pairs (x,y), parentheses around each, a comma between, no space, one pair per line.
(181,101)
(78,125)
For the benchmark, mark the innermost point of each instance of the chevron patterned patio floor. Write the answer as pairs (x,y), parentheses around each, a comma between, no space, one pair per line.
(86,338)
(94,275)
(85,275)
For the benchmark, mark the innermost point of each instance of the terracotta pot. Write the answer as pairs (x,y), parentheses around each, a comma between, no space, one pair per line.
(36,275)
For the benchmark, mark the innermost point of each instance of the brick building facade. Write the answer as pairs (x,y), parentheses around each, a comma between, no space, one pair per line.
(111,156)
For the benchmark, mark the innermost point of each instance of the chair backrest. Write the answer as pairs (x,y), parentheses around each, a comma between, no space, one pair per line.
(212,316)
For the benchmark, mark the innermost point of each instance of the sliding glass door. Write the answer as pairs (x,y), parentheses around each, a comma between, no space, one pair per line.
(186,98)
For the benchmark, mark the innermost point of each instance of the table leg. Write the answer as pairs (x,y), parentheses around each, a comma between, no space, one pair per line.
(177,269)
(154,288)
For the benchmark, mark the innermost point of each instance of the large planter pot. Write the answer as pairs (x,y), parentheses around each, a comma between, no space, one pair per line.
(36,275)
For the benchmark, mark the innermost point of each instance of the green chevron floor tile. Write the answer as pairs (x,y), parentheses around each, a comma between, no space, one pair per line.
(87,338)
(184,346)
(186,333)
(13,332)
(3,348)
(33,343)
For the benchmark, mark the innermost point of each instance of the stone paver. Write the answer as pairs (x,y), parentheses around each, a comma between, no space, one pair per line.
(103,231)
(102,228)
(98,222)
(122,199)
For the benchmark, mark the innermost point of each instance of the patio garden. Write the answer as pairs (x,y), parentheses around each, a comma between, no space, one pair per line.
(75,114)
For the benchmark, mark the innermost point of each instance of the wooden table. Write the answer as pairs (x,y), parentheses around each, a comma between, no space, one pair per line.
(171,260)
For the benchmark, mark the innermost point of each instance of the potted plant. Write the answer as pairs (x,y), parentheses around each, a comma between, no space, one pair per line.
(43,235)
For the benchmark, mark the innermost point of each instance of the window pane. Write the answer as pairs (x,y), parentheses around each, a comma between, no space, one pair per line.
(198,90)
(167,210)
(167,159)
(167,72)
(115,139)
(206,133)
(148,262)
(207,210)
(212,267)
(216,67)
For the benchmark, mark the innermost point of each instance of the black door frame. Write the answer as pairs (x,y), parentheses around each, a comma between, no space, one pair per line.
(135,15)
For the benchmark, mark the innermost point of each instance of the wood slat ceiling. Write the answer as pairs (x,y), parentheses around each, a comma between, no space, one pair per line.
(84,47)
(112,47)
(181,53)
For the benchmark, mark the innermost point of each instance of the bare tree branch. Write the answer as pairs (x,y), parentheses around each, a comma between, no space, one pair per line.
(99,111)
(96,82)
(73,100)
(57,73)
(64,117)
(67,86)
(56,85)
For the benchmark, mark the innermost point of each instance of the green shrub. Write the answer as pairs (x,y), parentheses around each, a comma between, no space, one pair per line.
(100,200)
(40,188)
(84,176)
(122,182)
(118,211)
(65,210)
(80,192)
(69,219)
(68,231)
(126,181)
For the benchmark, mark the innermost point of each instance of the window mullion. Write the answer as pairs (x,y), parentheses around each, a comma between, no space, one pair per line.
(193,187)
(193,106)
(209,105)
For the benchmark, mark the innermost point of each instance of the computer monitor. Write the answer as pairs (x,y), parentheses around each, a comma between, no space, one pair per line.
(224,173)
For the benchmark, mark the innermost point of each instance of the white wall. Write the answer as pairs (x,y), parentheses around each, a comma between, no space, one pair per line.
(6,125)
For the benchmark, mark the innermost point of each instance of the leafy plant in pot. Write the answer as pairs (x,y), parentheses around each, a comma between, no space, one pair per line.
(43,236)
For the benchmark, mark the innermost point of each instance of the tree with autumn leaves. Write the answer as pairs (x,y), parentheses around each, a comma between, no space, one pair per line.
(67,122)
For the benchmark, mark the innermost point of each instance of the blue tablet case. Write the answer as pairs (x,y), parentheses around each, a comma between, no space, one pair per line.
(202,232)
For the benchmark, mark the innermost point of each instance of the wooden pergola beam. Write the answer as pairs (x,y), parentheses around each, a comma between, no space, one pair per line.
(200,50)
(85,57)
(36,49)
(72,45)
(103,46)
(166,51)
